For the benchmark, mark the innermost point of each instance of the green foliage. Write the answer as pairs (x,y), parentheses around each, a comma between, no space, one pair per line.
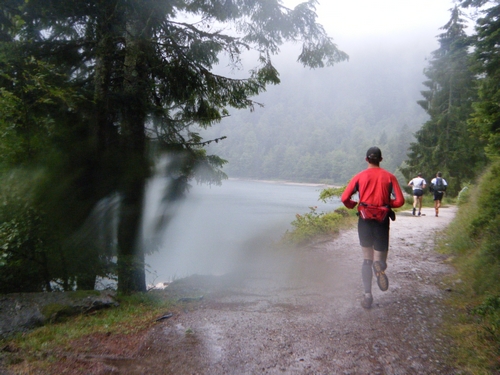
(27,242)
(482,210)
(315,224)
(31,105)
(489,311)
(35,247)
(485,120)
(444,141)
(489,201)
(474,239)
(38,132)
(330,193)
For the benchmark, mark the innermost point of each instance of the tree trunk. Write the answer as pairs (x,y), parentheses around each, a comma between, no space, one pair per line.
(131,272)
(104,134)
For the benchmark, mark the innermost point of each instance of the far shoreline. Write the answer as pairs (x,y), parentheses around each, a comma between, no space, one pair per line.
(284,182)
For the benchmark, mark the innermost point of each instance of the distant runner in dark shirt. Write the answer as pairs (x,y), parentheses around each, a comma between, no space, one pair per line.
(379,191)
(438,186)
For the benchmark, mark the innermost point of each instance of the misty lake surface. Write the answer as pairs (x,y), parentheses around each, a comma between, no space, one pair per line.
(214,226)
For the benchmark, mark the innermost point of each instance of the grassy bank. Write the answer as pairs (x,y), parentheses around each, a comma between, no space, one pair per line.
(314,225)
(36,352)
(473,241)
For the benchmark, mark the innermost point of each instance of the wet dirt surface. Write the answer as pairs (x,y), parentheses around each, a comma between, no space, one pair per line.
(298,312)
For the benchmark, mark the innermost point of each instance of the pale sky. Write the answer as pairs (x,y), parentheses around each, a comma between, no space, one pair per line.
(356,18)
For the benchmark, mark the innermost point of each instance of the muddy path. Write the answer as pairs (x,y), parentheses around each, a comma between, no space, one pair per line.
(298,312)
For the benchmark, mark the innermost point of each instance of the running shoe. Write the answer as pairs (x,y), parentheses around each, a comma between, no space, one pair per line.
(414,211)
(367,301)
(382,280)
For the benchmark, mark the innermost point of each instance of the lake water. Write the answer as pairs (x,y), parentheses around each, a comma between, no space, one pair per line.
(214,225)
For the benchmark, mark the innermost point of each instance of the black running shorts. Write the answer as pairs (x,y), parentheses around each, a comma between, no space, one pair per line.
(374,234)
(418,192)
(438,196)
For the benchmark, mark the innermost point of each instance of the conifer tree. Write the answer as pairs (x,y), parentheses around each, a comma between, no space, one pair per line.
(144,72)
(485,119)
(444,142)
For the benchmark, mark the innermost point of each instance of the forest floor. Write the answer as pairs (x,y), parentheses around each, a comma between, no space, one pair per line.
(297,312)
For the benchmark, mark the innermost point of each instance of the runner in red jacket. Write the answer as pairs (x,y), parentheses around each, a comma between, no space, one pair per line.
(379,191)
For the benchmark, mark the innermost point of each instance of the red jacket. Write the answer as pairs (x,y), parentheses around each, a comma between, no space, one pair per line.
(375,186)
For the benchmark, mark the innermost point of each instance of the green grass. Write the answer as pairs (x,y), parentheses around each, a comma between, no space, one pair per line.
(135,313)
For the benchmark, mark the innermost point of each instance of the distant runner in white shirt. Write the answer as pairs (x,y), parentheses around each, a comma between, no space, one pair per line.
(418,184)
(438,186)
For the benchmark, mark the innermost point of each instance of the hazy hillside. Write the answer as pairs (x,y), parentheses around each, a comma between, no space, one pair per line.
(317,124)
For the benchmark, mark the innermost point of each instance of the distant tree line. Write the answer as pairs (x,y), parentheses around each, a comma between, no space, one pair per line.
(316,126)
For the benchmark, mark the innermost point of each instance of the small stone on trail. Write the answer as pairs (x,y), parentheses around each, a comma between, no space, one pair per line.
(166,316)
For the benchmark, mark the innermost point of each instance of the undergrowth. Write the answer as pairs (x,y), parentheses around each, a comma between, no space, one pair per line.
(473,239)
(316,224)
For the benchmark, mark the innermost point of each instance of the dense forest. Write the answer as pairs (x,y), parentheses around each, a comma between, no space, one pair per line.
(316,125)
(93,95)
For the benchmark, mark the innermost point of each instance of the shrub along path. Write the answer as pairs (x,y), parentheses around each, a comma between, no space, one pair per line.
(297,312)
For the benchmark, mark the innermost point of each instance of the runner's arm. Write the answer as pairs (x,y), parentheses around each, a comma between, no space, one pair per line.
(348,192)
(399,199)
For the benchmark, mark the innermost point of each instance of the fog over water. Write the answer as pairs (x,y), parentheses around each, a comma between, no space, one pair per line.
(216,227)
